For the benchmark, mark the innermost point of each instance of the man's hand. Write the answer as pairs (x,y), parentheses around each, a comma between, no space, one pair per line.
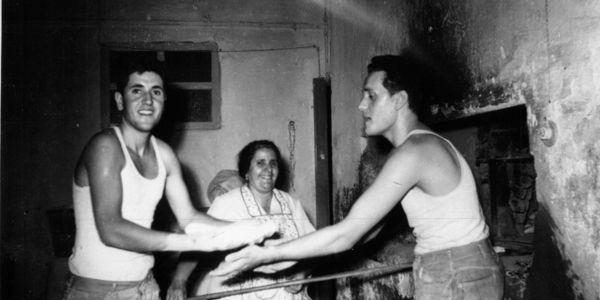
(243,260)
(177,290)
(275,267)
(233,235)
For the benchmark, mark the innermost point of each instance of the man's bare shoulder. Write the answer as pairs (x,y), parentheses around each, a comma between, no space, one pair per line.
(162,145)
(407,156)
(434,154)
(424,145)
(103,140)
(165,150)
(103,146)
(419,150)
(414,145)
(102,150)
(169,157)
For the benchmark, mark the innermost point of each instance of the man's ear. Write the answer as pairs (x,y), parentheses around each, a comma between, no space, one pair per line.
(401,99)
(119,100)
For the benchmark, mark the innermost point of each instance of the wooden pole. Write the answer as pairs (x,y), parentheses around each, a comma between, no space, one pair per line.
(364,272)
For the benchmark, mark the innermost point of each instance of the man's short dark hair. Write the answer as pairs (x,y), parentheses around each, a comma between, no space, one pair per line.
(138,68)
(402,73)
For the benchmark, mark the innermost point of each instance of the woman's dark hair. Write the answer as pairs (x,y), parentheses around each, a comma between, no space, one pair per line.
(245,156)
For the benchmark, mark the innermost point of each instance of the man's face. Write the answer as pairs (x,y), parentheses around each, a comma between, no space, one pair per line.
(377,105)
(142,101)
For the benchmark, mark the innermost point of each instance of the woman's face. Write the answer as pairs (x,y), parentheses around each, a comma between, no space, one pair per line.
(263,171)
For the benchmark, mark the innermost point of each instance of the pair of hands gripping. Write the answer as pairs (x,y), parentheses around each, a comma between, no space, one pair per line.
(246,232)
(254,257)
(233,235)
(241,233)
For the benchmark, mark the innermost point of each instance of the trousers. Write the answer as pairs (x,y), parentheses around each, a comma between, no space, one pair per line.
(82,288)
(472,271)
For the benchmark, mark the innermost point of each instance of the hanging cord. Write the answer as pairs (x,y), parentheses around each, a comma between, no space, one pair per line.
(371,272)
(292,149)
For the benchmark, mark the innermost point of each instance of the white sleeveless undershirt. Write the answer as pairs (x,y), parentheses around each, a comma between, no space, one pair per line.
(446,221)
(93,259)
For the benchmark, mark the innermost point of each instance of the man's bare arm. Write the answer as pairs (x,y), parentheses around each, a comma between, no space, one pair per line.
(399,174)
(103,161)
(178,195)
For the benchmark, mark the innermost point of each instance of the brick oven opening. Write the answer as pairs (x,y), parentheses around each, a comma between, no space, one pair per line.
(504,171)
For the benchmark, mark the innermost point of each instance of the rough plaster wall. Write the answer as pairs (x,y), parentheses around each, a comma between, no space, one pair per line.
(570,184)
(257,107)
(261,91)
(359,30)
(544,54)
(223,12)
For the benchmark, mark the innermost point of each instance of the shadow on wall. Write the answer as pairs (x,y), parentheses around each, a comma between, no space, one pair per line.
(437,38)
(548,279)
(168,131)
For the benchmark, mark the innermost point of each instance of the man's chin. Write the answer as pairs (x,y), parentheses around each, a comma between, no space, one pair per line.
(146,126)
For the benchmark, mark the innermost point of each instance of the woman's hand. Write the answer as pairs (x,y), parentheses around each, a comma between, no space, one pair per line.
(177,290)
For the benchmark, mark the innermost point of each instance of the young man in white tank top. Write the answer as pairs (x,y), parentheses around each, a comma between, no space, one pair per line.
(454,258)
(118,181)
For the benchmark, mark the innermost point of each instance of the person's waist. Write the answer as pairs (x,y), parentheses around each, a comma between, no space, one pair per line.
(441,235)
(108,263)
(483,246)
(98,284)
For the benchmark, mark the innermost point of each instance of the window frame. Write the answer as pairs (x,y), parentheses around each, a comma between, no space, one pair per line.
(214,85)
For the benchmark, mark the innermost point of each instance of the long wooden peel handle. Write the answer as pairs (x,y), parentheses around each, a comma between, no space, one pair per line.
(379,271)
